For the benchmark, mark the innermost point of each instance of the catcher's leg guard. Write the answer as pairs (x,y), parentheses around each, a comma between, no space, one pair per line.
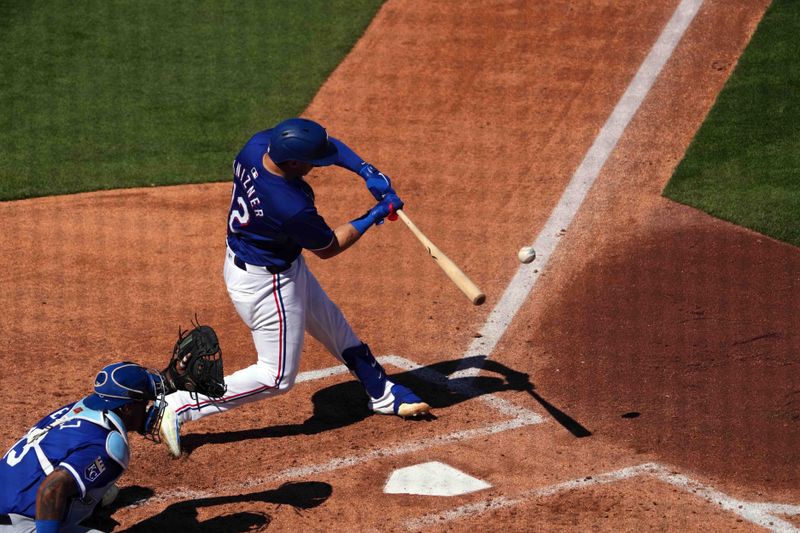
(386,397)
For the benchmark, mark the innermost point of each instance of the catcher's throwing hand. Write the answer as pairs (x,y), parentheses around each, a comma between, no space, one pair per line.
(196,363)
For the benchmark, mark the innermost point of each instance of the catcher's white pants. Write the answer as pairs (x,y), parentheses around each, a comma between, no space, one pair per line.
(278,309)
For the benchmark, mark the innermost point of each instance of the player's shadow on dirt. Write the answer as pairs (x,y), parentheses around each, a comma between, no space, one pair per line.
(460,389)
(102,519)
(344,404)
(182,516)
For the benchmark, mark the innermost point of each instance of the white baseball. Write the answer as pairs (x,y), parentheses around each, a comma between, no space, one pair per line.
(526,254)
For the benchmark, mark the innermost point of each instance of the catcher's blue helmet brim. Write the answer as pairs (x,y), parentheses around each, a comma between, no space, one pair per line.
(93,401)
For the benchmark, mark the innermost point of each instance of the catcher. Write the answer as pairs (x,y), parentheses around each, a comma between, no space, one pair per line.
(63,467)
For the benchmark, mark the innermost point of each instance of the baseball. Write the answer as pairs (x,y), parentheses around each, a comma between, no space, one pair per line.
(526,254)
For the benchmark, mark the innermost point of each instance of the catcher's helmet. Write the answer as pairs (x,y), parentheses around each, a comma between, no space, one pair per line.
(300,139)
(122,383)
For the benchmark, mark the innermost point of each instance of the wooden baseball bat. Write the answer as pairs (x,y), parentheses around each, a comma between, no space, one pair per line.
(455,274)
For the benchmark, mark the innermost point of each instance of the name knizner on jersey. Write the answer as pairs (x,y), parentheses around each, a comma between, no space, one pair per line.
(247,180)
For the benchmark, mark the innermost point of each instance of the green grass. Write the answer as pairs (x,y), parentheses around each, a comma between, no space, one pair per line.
(102,94)
(744,163)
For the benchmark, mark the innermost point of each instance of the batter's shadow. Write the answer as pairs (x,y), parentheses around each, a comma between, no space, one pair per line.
(183,516)
(454,390)
(344,404)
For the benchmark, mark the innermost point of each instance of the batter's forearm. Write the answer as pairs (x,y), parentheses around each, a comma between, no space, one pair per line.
(347,157)
(344,237)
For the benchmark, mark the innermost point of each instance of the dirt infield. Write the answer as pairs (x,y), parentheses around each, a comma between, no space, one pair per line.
(481,113)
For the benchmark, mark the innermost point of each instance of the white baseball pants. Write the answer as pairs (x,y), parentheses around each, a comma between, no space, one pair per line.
(278,309)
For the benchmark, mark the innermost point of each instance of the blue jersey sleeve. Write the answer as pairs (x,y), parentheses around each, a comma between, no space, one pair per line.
(308,229)
(347,157)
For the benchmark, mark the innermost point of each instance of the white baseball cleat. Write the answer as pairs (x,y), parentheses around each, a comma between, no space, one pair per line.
(407,410)
(403,402)
(170,431)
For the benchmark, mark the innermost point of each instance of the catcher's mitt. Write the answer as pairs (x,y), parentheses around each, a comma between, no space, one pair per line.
(196,364)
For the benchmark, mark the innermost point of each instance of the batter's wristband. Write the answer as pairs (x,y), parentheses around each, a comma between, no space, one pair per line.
(363,223)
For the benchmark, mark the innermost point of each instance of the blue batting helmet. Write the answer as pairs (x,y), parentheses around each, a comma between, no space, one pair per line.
(300,139)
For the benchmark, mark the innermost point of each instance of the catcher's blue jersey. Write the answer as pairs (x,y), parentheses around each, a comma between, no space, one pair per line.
(271,219)
(91,445)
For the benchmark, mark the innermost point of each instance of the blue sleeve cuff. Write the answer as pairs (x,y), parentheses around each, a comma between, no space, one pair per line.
(47,526)
(364,223)
(347,157)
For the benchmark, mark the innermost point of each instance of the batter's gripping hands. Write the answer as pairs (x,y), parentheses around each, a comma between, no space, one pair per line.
(387,207)
(377,182)
(196,364)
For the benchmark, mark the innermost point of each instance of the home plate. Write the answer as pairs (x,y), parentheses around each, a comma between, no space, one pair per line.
(432,479)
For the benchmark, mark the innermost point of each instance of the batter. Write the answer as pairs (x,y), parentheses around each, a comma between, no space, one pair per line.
(272,218)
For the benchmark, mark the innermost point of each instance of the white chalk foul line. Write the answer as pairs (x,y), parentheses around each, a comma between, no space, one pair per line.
(521,417)
(761,514)
(571,200)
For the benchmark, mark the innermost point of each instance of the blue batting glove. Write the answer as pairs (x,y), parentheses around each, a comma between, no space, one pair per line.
(387,207)
(377,182)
